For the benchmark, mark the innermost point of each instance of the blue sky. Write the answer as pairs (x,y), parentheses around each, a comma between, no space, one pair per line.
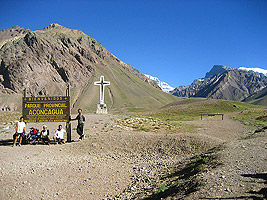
(174,40)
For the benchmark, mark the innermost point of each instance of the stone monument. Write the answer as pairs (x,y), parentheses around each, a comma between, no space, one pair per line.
(102,107)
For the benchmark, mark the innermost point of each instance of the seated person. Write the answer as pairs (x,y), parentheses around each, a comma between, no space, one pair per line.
(59,135)
(45,135)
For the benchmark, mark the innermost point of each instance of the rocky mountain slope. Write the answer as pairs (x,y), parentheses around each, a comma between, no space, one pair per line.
(224,83)
(45,61)
(12,33)
(259,98)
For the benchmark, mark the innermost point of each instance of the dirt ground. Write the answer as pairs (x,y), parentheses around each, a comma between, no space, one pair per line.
(117,163)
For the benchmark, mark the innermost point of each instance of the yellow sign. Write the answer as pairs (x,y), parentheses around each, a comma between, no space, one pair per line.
(46,109)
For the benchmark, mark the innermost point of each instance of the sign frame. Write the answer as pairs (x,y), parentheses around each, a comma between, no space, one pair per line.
(46,109)
(61,101)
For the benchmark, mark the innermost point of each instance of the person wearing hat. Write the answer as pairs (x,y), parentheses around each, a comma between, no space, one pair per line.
(45,135)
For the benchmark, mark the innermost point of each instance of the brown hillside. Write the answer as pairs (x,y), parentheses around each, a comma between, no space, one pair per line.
(45,61)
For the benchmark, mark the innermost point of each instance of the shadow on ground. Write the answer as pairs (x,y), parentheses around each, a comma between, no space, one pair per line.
(7,142)
(183,182)
(255,195)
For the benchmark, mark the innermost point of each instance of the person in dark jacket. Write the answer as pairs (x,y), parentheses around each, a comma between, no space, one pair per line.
(80,127)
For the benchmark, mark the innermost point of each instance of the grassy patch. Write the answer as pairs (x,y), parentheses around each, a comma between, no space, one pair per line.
(149,124)
(199,163)
(135,110)
(253,118)
(175,183)
(87,135)
(190,109)
(183,128)
(162,188)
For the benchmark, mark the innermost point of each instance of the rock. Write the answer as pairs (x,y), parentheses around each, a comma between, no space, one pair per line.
(228,189)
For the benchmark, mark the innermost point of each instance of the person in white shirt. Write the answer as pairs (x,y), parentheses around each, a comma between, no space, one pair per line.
(59,135)
(45,135)
(20,131)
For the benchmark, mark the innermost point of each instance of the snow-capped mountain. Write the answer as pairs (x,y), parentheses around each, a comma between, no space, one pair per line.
(258,70)
(228,83)
(163,85)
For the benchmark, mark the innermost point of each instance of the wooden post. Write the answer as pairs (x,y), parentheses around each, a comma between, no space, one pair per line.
(24,92)
(68,124)
(24,96)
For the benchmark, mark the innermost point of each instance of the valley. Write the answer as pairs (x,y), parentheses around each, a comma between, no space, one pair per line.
(151,144)
(144,156)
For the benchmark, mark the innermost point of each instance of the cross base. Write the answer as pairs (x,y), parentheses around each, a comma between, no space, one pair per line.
(101,109)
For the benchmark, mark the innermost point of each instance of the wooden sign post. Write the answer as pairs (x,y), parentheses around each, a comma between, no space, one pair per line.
(68,124)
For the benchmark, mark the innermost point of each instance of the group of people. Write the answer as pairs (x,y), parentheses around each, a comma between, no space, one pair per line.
(58,135)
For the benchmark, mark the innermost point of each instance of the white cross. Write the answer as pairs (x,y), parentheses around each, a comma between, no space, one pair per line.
(102,85)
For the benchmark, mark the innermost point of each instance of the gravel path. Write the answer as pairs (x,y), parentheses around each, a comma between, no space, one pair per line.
(242,173)
(124,164)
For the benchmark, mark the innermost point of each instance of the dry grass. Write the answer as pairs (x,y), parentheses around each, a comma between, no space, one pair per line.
(190,109)
(9,117)
(253,118)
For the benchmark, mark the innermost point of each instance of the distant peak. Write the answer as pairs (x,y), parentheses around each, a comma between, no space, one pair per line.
(218,69)
(53,25)
(13,32)
(17,27)
(222,67)
(14,28)
(163,85)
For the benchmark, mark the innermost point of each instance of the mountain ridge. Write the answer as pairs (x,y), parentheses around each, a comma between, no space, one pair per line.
(13,32)
(223,82)
(254,70)
(45,61)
